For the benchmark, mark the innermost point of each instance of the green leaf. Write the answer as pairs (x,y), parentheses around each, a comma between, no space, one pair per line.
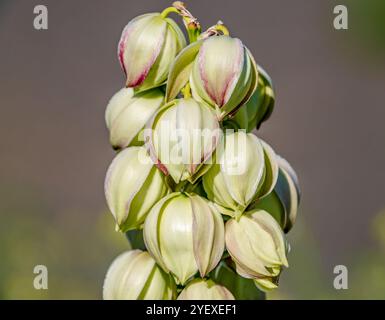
(180,70)
(268,99)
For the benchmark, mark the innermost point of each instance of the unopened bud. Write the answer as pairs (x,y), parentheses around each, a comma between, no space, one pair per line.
(245,171)
(134,275)
(147,48)
(182,137)
(257,245)
(127,115)
(185,234)
(224,74)
(132,186)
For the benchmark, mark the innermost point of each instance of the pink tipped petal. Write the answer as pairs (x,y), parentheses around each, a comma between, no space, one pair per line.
(220,62)
(149,144)
(121,45)
(139,47)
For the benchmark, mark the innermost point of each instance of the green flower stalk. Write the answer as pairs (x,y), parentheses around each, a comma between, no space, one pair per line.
(132,186)
(185,234)
(224,74)
(134,275)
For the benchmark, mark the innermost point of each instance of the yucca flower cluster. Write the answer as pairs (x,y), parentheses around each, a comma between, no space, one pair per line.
(204,202)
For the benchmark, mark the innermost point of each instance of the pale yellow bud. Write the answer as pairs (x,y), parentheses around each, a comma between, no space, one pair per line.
(147,48)
(257,245)
(134,275)
(127,115)
(132,186)
(185,234)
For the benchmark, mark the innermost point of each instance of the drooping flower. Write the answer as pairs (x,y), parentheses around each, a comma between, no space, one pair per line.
(258,247)
(245,170)
(134,275)
(221,70)
(182,137)
(147,48)
(127,114)
(185,234)
(132,186)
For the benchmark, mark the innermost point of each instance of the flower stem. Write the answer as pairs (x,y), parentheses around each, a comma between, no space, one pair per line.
(169,10)
(191,23)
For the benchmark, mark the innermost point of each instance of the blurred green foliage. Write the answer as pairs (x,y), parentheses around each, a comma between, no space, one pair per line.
(366,32)
(306,277)
(76,247)
(367,20)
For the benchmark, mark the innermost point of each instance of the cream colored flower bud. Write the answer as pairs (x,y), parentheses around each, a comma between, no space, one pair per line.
(182,137)
(224,74)
(127,115)
(132,186)
(134,275)
(257,245)
(245,171)
(147,48)
(200,289)
(185,234)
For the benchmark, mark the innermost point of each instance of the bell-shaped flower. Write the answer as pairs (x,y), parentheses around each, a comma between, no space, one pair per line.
(245,170)
(132,186)
(257,245)
(147,48)
(182,137)
(221,71)
(200,289)
(127,114)
(134,275)
(185,234)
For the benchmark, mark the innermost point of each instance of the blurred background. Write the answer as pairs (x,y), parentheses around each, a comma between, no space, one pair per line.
(328,122)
